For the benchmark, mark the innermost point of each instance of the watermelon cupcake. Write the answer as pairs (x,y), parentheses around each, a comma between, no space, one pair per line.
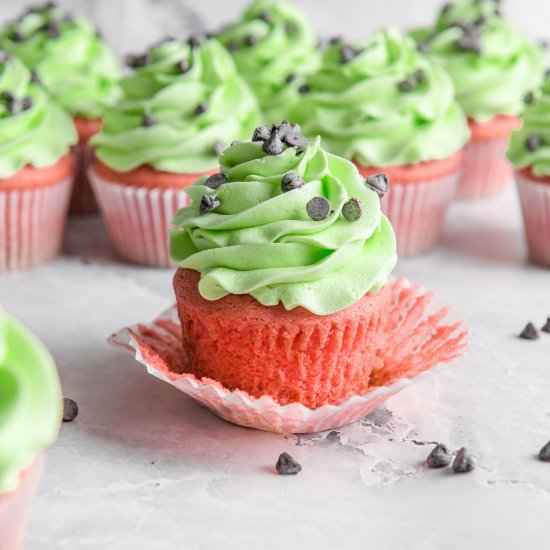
(78,70)
(36,168)
(493,67)
(181,108)
(30,408)
(388,108)
(274,48)
(284,263)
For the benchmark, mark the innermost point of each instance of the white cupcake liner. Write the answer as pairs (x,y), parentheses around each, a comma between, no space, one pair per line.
(138,218)
(422,338)
(82,199)
(417,211)
(32,222)
(535,205)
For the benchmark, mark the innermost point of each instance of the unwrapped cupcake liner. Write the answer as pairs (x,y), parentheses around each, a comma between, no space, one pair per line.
(422,338)
(82,199)
(417,211)
(32,222)
(535,205)
(138,218)
(15,506)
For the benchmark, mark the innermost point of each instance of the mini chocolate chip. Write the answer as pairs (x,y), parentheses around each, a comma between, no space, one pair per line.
(261,133)
(546,327)
(265,16)
(7,96)
(52,29)
(529,98)
(35,77)
(347,54)
(251,40)
(232,45)
(286,465)
(378,183)
(195,41)
(17,36)
(304,88)
(406,86)
(529,332)
(295,139)
(219,148)
(533,142)
(148,120)
(544,453)
(352,210)
(273,144)
(468,44)
(202,107)
(208,203)
(290,27)
(26,103)
(284,129)
(215,181)
(136,61)
(419,76)
(318,208)
(290,78)
(183,65)
(70,410)
(439,457)
(291,181)
(463,462)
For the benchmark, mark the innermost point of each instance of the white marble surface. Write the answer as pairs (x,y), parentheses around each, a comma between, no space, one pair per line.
(144,467)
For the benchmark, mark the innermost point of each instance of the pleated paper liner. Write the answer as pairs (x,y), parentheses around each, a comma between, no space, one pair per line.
(422,338)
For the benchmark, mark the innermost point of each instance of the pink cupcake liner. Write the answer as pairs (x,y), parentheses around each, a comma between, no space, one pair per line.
(32,222)
(138,219)
(15,505)
(417,212)
(422,338)
(82,200)
(535,205)
(485,171)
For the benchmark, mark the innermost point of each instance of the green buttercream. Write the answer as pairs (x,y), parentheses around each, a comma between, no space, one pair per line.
(495,80)
(536,122)
(75,65)
(262,242)
(179,139)
(30,400)
(38,135)
(362,114)
(273,43)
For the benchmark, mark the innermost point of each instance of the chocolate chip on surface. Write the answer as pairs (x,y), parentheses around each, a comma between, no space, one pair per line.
(544,453)
(70,410)
(287,465)
(439,457)
(532,142)
(318,208)
(406,85)
(463,462)
(7,96)
(201,108)
(208,204)
(378,183)
(304,88)
(419,76)
(468,43)
(546,327)
(53,30)
(17,36)
(530,332)
(261,133)
(216,180)
(148,120)
(195,41)
(35,77)
(251,40)
(347,54)
(352,210)
(219,148)
(266,16)
(529,98)
(273,144)
(137,61)
(291,181)
(290,78)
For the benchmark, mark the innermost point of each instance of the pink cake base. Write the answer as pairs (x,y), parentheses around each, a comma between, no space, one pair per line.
(421,338)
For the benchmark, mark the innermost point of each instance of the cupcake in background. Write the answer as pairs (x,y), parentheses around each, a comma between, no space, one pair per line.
(36,168)
(274,47)
(30,413)
(388,108)
(284,268)
(529,152)
(78,70)
(181,108)
(494,68)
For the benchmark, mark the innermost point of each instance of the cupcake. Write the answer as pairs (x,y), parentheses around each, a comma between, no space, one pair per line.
(30,410)
(180,108)
(274,47)
(388,108)
(529,152)
(35,168)
(283,270)
(493,67)
(78,70)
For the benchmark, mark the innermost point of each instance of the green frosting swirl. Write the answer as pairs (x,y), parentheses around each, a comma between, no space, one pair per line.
(160,120)
(261,241)
(494,79)
(385,104)
(75,65)
(33,129)
(530,145)
(30,400)
(274,47)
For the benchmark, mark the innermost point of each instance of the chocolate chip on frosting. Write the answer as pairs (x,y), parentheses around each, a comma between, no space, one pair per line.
(291,181)
(52,29)
(469,43)
(529,98)
(261,133)
(251,40)
(26,103)
(290,78)
(406,85)
(35,77)
(265,16)
(195,41)
(219,148)
(183,65)
(419,76)
(215,181)
(530,332)
(378,183)
(7,96)
(318,208)
(352,210)
(17,36)
(273,145)
(532,142)
(137,61)
(347,54)
(304,88)
(201,108)
(233,46)
(208,204)
(296,139)
(148,120)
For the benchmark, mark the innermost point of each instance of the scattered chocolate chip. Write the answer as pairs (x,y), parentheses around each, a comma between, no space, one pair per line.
(286,465)
(251,40)
(291,181)
(202,107)
(544,453)
(290,27)
(529,332)
(265,16)
(208,203)
(463,462)
(17,36)
(347,54)
(546,327)
(273,144)
(26,103)
(295,139)
(232,45)
(7,96)
(529,98)
(53,30)
(304,88)
(318,208)
(352,210)
(215,181)
(439,457)
(148,120)
(378,183)
(419,76)
(284,128)
(219,148)
(35,77)
(533,142)
(261,133)
(468,43)
(136,61)
(406,85)
(195,41)
(70,410)
(290,78)
(183,65)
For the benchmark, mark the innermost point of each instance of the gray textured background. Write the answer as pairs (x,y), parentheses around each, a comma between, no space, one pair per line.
(133,24)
